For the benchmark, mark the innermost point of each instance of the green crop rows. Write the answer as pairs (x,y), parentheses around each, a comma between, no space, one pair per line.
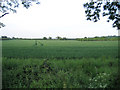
(60,64)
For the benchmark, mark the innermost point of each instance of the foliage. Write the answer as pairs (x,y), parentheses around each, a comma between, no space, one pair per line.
(11,5)
(44,38)
(103,38)
(72,73)
(58,37)
(6,6)
(5,38)
(50,38)
(64,38)
(110,9)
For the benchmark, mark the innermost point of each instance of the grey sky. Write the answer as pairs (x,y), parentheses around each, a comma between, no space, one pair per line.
(65,18)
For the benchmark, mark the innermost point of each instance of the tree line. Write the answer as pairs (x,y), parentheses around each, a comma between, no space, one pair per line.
(103,38)
(96,38)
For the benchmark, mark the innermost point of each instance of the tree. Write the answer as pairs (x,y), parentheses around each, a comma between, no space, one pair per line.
(50,38)
(44,38)
(4,37)
(58,37)
(110,9)
(64,38)
(6,6)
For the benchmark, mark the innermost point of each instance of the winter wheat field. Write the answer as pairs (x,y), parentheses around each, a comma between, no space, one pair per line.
(59,64)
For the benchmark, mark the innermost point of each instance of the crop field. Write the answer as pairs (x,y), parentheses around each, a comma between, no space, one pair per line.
(60,64)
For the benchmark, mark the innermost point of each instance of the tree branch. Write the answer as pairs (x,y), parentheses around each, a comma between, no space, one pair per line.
(3,15)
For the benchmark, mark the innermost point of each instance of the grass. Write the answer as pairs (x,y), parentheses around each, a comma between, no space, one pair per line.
(59,49)
(38,73)
(60,64)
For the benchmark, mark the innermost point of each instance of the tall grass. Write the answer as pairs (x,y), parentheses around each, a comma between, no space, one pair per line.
(79,73)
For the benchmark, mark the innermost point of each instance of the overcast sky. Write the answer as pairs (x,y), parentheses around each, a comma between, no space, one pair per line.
(65,18)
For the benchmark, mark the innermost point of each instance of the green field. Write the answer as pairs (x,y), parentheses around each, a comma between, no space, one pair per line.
(60,64)
(59,49)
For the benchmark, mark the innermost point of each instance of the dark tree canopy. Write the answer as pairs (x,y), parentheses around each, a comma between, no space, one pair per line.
(108,8)
(7,6)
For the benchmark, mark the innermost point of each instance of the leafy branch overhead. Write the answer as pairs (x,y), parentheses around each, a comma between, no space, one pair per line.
(11,5)
(110,9)
(7,6)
